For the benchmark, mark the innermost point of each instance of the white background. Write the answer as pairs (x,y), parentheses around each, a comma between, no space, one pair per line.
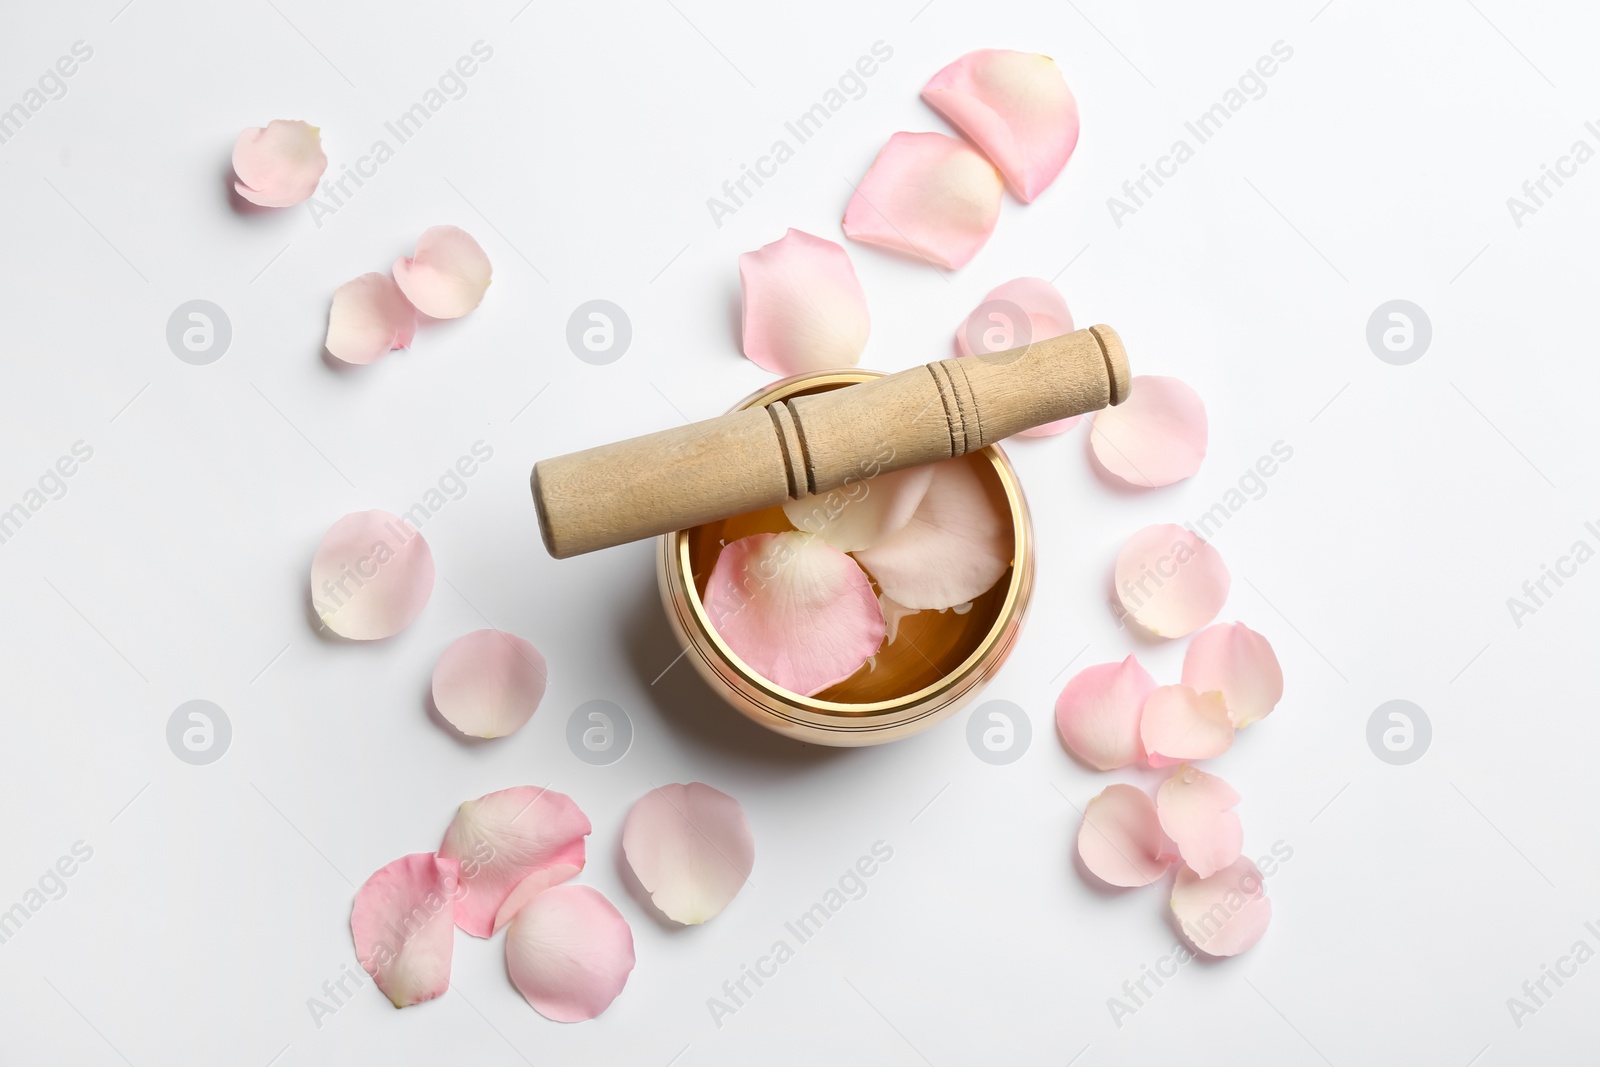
(1418,498)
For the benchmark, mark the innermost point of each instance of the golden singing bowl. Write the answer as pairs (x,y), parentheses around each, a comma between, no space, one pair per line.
(935,666)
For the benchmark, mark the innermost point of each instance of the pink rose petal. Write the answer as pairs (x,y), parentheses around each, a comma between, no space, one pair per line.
(1018,313)
(929,196)
(502,838)
(488,683)
(1050,429)
(371,577)
(1156,436)
(803,307)
(369,318)
(1224,914)
(1120,839)
(403,926)
(1014,106)
(954,547)
(1098,713)
(1234,660)
(1195,811)
(569,953)
(691,848)
(797,610)
(278,165)
(863,513)
(447,275)
(1169,581)
(1179,724)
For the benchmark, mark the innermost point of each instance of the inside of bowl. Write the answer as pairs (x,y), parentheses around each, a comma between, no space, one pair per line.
(928,645)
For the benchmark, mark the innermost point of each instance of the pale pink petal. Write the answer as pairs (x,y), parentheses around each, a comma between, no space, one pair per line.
(502,838)
(1234,660)
(861,514)
(404,929)
(929,196)
(369,318)
(803,307)
(569,953)
(955,546)
(1169,581)
(797,610)
(1016,107)
(447,275)
(488,683)
(1120,839)
(1179,724)
(1156,436)
(530,887)
(1050,429)
(1195,810)
(691,848)
(1224,914)
(1098,713)
(371,577)
(1017,313)
(278,165)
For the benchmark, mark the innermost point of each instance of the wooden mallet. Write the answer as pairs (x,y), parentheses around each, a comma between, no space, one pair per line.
(759,457)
